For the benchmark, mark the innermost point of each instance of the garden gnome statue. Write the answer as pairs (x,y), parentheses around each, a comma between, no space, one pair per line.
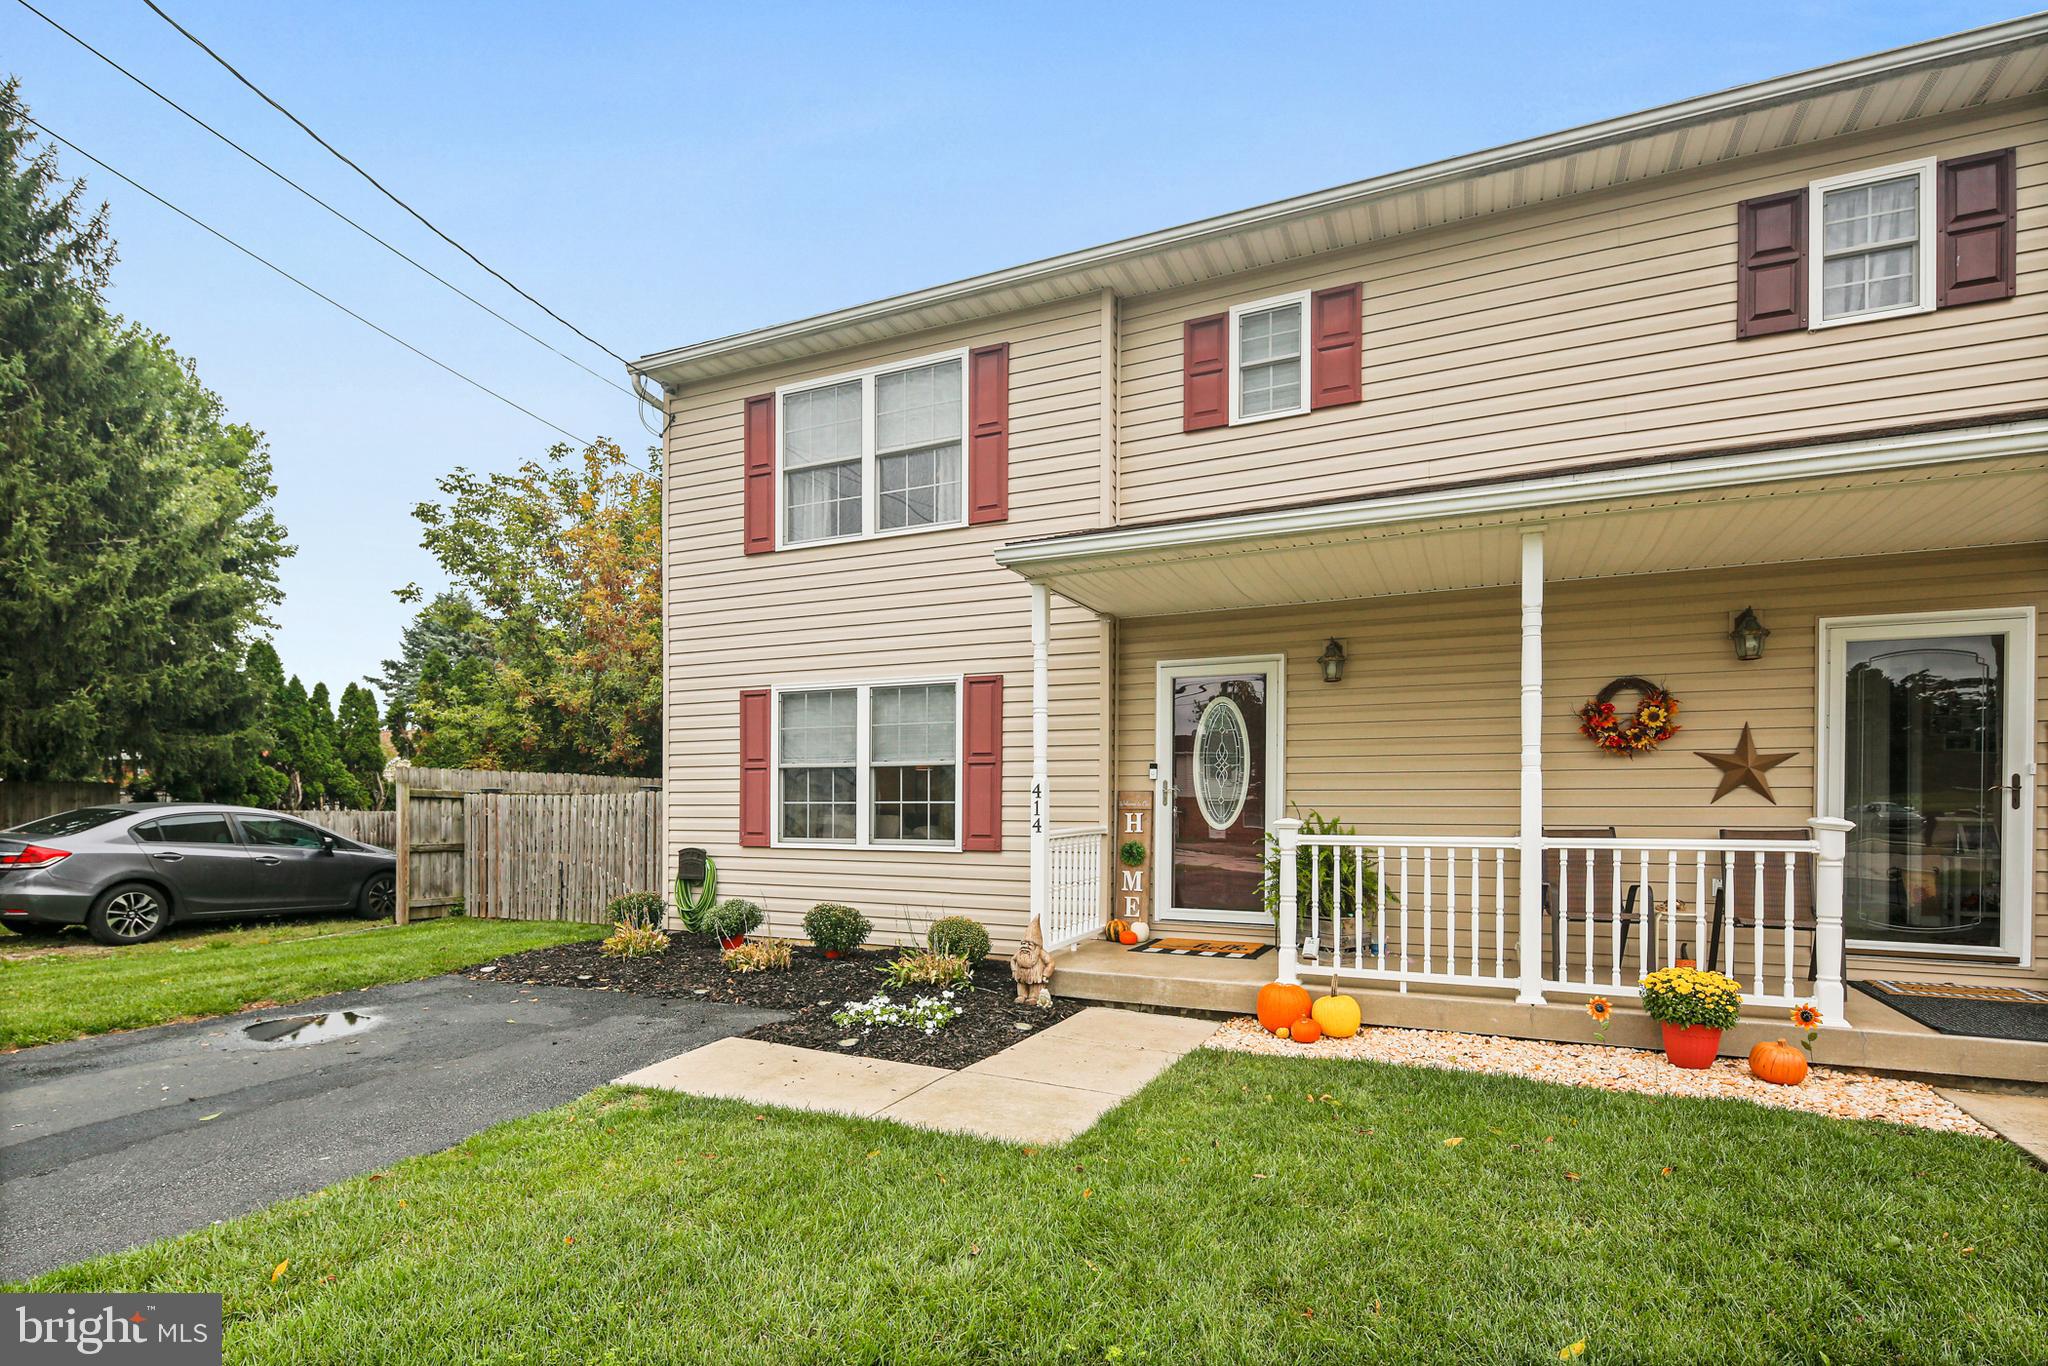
(1031,967)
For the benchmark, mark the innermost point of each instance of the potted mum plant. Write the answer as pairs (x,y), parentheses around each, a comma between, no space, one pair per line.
(732,921)
(1694,1005)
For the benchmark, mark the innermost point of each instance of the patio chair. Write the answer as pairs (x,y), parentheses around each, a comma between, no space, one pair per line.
(1771,913)
(1598,901)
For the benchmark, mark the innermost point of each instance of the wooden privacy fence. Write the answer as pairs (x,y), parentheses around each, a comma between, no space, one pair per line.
(560,856)
(364,827)
(23,802)
(432,844)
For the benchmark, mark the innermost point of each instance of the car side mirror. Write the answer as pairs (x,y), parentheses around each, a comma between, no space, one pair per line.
(327,844)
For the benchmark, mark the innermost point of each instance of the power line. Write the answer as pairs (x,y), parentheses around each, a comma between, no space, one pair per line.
(258,91)
(446,284)
(325,298)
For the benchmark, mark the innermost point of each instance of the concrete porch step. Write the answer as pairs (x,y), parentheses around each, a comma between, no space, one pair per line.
(1878,1039)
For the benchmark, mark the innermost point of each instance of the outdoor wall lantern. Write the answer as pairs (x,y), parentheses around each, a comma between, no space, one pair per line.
(1332,660)
(1748,635)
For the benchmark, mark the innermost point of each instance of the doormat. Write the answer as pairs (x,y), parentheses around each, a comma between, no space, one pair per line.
(1204,948)
(1962,991)
(2015,1016)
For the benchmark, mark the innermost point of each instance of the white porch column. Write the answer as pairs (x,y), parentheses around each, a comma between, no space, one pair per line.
(1287,831)
(1832,834)
(1529,899)
(1041,713)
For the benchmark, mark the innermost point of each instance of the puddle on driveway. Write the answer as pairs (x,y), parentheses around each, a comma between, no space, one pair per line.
(295,1030)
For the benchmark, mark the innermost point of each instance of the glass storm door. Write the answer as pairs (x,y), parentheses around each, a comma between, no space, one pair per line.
(1219,731)
(1927,723)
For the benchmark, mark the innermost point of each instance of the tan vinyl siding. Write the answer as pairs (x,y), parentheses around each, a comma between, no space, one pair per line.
(901,606)
(1420,737)
(1595,328)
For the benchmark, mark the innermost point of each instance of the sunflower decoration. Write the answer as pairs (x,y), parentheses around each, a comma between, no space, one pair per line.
(1653,720)
(1602,1011)
(1808,1018)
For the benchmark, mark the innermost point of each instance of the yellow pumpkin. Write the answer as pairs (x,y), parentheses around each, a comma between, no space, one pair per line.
(1281,1032)
(1338,1016)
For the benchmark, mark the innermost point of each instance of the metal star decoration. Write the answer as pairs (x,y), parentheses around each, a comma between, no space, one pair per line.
(1745,767)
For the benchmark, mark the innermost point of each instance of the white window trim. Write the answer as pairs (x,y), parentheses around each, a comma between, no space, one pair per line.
(2016,944)
(870,500)
(1923,286)
(863,788)
(1300,299)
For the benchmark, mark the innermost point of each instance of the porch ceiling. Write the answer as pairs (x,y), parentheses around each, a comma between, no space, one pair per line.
(1980,487)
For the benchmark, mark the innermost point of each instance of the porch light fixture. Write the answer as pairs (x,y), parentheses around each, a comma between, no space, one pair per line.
(1332,660)
(1748,635)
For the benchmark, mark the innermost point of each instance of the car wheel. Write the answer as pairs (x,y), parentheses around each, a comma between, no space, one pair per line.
(129,914)
(379,898)
(34,929)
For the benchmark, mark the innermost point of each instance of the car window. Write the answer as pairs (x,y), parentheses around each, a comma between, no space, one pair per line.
(275,831)
(72,822)
(198,828)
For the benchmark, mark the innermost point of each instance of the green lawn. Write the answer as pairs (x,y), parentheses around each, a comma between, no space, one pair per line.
(49,993)
(1241,1209)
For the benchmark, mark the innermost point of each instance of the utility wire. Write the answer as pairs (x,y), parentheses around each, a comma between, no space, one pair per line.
(258,91)
(474,384)
(444,283)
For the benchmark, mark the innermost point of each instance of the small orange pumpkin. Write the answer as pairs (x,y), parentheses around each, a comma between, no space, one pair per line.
(1281,1004)
(1129,936)
(1306,1030)
(1780,1063)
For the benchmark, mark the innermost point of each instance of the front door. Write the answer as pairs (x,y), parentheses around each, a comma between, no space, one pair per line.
(1220,780)
(1926,722)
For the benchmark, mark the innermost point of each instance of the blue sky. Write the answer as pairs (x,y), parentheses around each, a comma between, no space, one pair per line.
(664,173)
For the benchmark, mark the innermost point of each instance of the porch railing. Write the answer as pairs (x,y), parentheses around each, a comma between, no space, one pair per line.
(1450,912)
(1077,902)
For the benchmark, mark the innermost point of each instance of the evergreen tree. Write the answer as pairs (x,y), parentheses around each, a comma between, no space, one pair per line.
(359,743)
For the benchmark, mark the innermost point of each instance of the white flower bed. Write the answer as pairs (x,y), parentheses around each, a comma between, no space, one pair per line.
(926,1014)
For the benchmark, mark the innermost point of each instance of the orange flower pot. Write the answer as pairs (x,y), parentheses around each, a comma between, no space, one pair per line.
(1693,1046)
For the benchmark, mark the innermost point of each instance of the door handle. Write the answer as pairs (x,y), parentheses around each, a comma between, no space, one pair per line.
(269,859)
(2013,785)
(167,857)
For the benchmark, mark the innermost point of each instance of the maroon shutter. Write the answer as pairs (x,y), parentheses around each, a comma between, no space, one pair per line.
(1337,326)
(1770,264)
(760,475)
(754,783)
(1974,212)
(981,794)
(988,434)
(1204,381)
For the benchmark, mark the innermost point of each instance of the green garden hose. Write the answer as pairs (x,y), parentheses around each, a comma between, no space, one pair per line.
(690,907)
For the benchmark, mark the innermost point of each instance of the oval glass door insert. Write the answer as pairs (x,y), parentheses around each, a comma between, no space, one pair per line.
(1223,771)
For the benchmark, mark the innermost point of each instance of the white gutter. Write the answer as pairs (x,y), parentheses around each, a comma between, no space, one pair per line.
(1528,496)
(1960,46)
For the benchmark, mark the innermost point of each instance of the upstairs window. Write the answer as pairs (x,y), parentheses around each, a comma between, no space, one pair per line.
(1266,368)
(1872,235)
(874,453)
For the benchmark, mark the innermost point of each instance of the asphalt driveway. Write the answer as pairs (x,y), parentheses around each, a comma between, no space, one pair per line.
(110,1142)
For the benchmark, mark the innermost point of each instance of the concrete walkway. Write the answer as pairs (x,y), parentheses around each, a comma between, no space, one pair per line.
(2020,1118)
(1047,1089)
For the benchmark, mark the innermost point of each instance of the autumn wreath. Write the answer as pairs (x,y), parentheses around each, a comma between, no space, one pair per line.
(1654,720)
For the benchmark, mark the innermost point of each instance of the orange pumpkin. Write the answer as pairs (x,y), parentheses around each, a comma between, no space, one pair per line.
(1306,1030)
(1281,1004)
(1129,936)
(1780,1063)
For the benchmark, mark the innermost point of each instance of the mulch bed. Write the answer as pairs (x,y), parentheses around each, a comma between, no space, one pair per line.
(808,992)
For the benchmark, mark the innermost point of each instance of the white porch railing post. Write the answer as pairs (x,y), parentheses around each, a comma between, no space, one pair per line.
(1287,831)
(1529,891)
(1041,710)
(1832,834)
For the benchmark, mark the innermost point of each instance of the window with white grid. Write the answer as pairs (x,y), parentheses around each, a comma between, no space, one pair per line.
(869,763)
(1266,358)
(913,748)
(917,445)
(1871,247)
(821,463)
(817,743)
(874,453)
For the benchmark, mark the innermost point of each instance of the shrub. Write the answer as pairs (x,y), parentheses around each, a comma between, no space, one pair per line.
(1335,873)
(926,1014)
(634,941)
(1131,853)
(960,937)
(835,928)
(1692,996)
(641,910)
(757,955)
(925,968)
(732,918)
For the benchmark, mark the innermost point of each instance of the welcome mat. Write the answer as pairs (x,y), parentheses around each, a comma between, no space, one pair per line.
(1984,1012)
(1204,948)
